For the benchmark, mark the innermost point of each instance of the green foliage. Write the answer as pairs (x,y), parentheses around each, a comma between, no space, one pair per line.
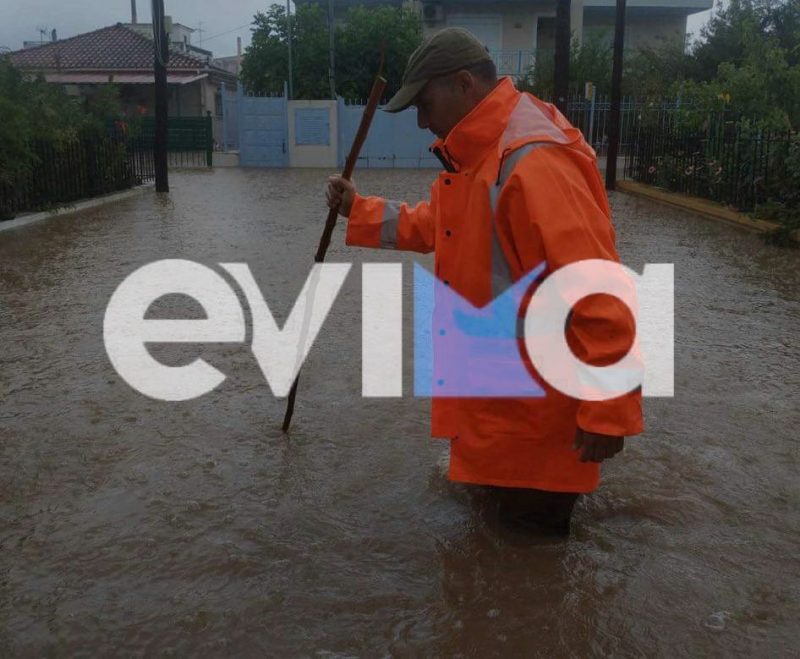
(15,157)
(783,205)
(103,105)
(357,50)
(265,65)
(783,24)
(358,45)
(747,64)
(749,56)
(589,61)
(648,73)
(727,37)
(655,73)
(592,61)
(39,118)
(749,60)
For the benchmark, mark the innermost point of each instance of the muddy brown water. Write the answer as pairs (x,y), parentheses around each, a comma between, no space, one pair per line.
(129,525)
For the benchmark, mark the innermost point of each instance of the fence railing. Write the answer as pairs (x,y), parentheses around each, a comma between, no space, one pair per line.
(190,140)
(62,172)
(592,118)
(513,62)
(724,161)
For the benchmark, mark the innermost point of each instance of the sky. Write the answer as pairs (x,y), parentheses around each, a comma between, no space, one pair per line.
(221,21)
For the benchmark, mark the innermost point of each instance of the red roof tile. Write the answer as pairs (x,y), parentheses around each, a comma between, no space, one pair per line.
(114,47)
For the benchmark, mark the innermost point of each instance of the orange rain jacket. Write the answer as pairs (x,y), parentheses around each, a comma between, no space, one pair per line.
(520,186)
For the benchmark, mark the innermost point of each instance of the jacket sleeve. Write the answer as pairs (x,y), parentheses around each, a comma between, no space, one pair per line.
(554,202)
(377,222)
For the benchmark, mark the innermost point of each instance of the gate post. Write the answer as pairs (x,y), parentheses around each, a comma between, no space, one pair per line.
(224,91)
(209,139)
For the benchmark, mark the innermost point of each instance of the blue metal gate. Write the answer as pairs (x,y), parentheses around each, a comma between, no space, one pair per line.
(394,140)
(263,131)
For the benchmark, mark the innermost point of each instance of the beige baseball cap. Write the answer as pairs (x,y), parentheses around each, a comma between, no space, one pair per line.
(447,51)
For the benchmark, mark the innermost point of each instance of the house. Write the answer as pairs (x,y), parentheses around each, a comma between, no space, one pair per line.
(180,37)
(123,55)
(514,30)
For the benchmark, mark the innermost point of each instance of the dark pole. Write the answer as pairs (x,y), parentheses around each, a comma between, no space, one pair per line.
(289,42)
(561,66)
(160,65)
(331,45)
(616,98)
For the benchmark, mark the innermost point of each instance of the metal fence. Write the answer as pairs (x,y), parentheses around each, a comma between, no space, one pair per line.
(590,116)
(62,172)
(725,161)
(190,140)
(513,62)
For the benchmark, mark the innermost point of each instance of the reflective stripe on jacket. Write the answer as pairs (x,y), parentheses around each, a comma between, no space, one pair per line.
(523,189)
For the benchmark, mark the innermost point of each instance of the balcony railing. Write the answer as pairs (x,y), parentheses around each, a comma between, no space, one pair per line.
(513,62)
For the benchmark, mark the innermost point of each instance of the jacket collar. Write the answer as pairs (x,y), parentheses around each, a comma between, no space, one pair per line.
(471,137)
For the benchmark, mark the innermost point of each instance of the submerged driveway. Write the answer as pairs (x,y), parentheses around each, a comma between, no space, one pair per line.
(129,524)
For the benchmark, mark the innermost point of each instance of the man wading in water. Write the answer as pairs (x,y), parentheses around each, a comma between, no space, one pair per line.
(520,187)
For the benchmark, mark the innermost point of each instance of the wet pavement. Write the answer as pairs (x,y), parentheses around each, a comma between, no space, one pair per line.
(131,525)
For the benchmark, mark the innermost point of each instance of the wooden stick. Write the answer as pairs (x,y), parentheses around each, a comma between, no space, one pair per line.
(330,224)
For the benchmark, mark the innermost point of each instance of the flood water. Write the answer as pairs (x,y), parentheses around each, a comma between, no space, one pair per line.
(131,525)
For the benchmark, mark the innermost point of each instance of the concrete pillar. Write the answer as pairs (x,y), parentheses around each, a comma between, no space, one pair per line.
(576,20)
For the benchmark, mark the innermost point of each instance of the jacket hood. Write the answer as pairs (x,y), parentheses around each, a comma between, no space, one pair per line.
(508,119)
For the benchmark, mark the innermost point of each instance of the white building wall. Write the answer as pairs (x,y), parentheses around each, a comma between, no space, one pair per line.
(646,26)
(653,30)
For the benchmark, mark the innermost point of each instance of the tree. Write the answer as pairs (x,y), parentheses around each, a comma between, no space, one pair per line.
(358,43)
(657,72)
(750,58)
(783,22)
(726,37)
(31,108)
(589,61)
(746,64)
(265,66)
(15,155)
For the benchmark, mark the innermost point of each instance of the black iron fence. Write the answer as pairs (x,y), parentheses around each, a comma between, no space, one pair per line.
(593,117)
(61,172)
(57,173)
(730,162)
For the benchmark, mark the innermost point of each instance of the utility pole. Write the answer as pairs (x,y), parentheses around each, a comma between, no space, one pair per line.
(161,48)
(561,64)
(616,98)
(332,54)
(289,42)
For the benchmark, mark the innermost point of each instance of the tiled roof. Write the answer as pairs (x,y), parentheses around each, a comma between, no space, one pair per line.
(114,47)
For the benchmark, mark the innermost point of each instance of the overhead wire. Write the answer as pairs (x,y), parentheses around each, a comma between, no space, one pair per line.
(233,29)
